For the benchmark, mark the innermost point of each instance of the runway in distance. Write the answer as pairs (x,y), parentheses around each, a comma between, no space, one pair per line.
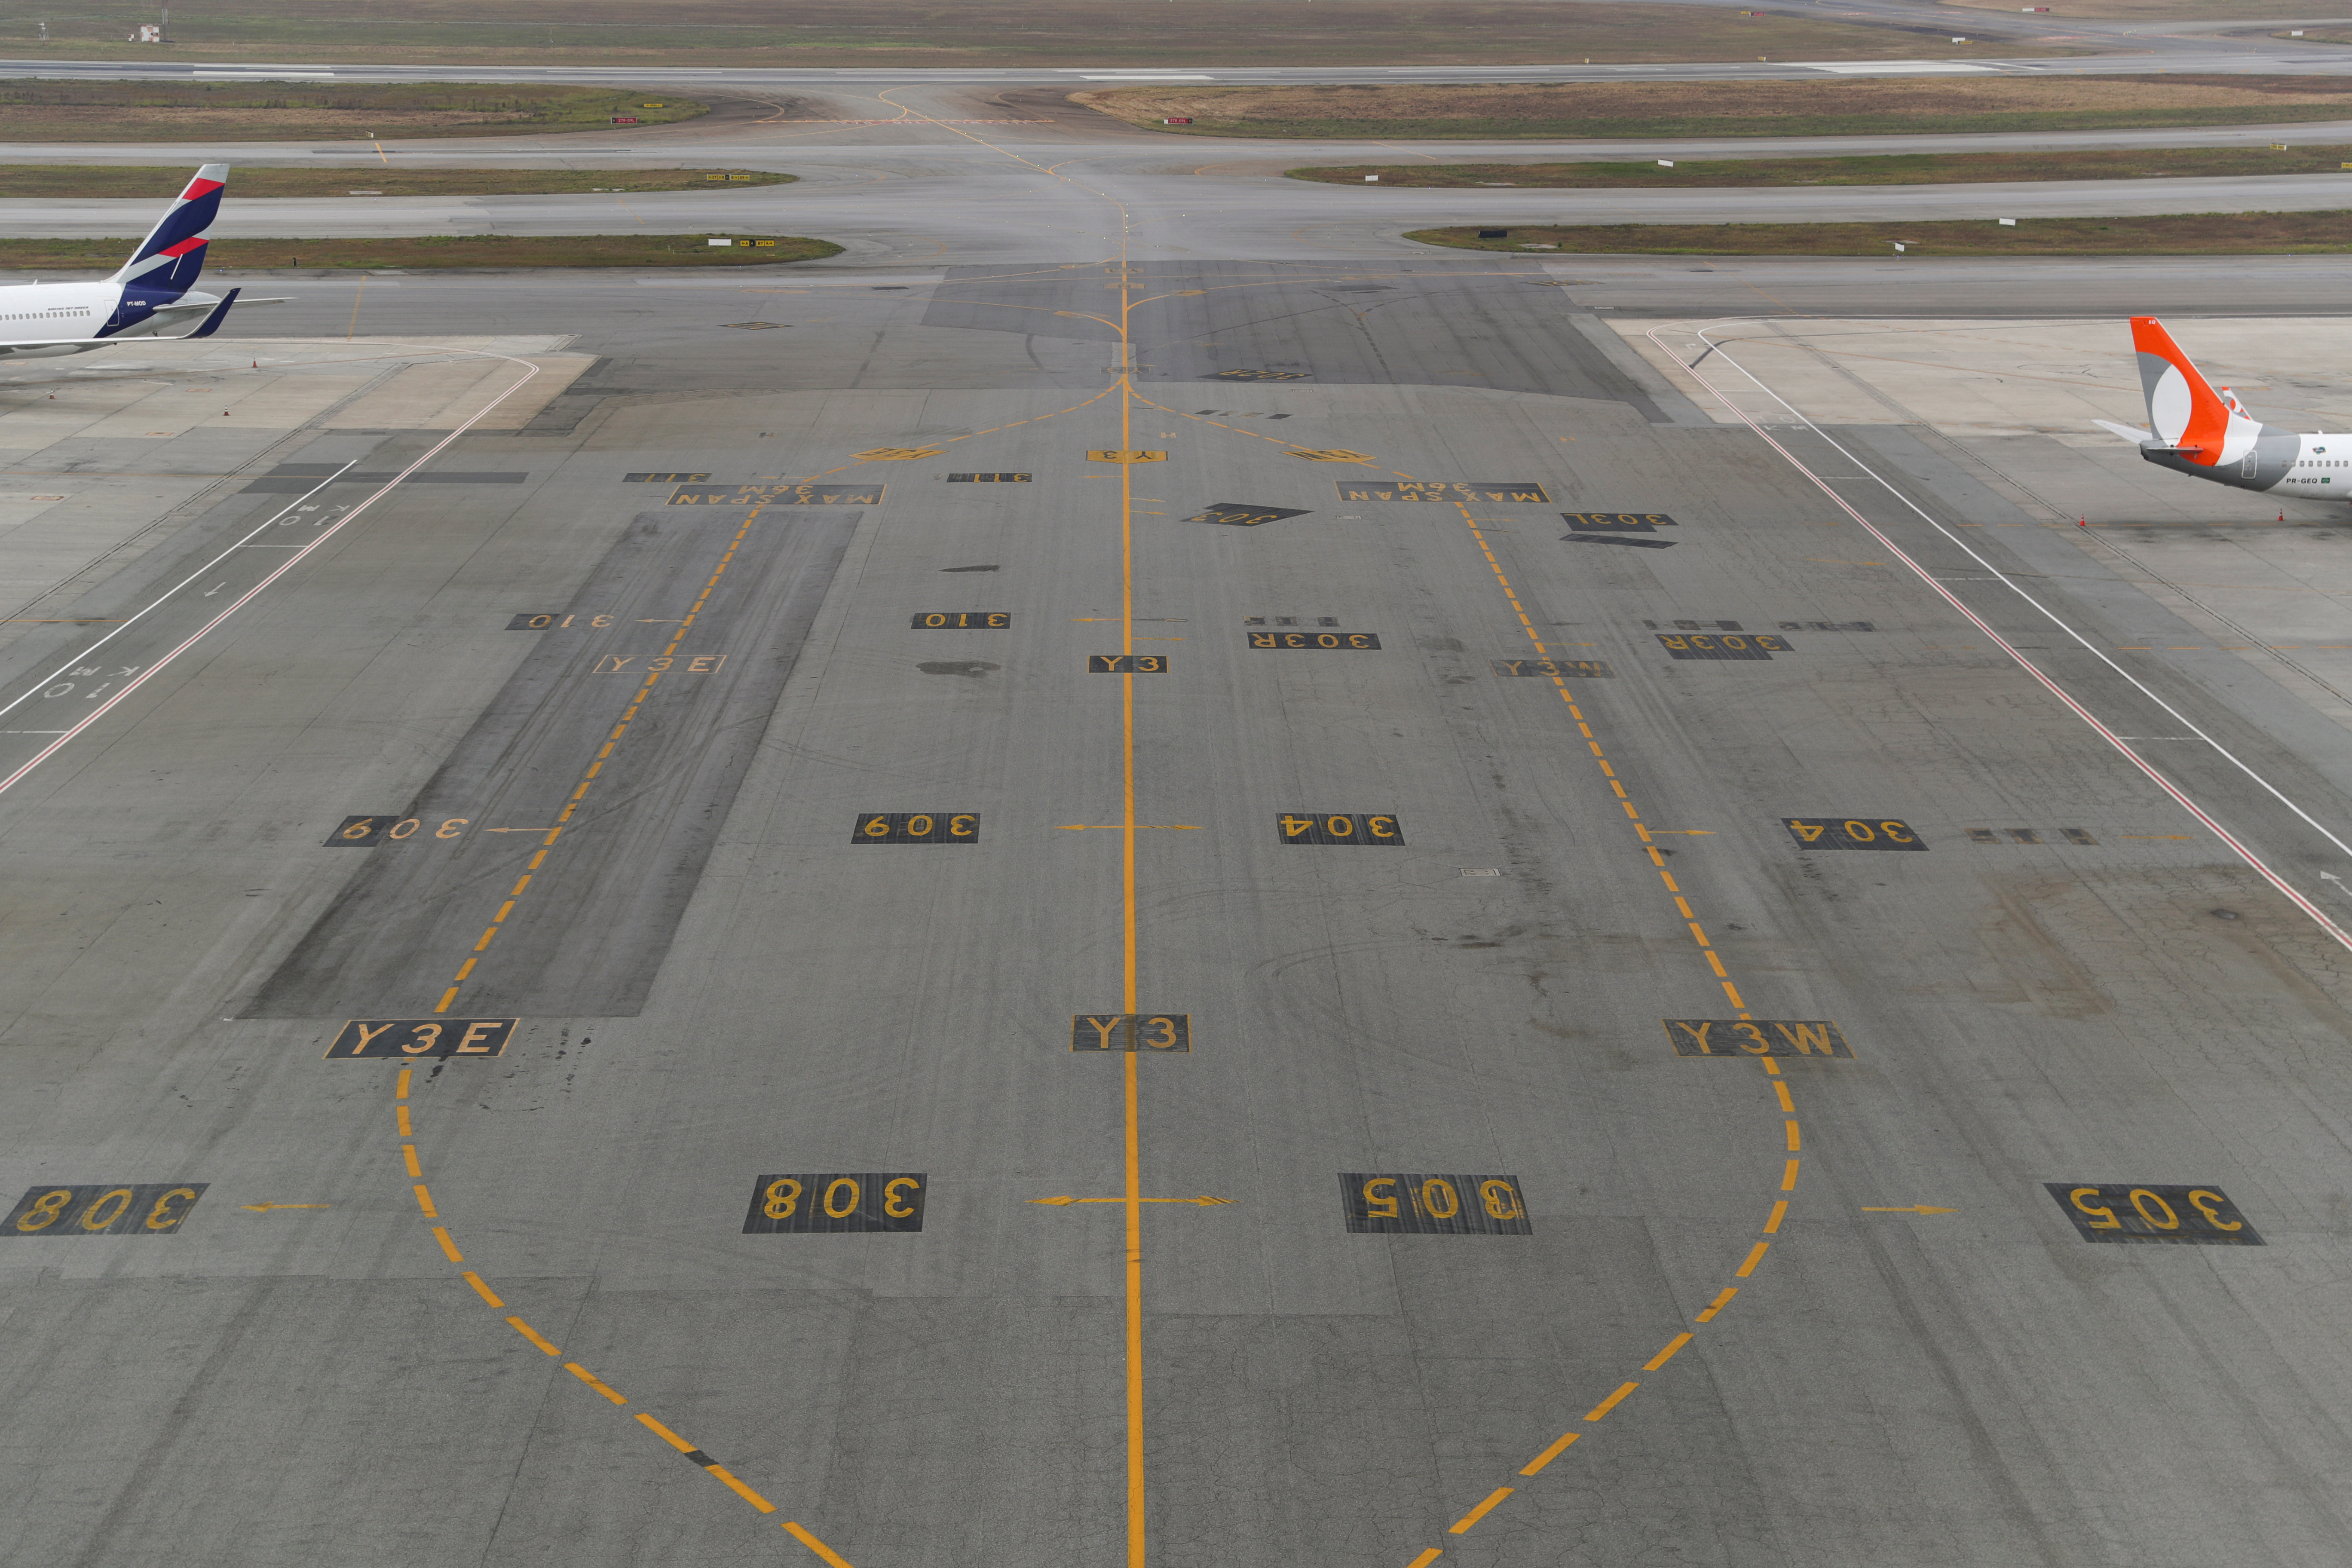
(153,290)
(2199,429)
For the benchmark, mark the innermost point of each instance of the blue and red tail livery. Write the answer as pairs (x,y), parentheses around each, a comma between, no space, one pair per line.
(153,295)
(168,260)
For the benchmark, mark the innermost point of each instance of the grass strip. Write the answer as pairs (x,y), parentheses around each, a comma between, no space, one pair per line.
(2196,234)
(158,181)
(1894,169)
(920,33)
(89,110)
(499,250)
(1912,105)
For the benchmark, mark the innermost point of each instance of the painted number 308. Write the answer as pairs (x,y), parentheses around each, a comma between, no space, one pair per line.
(785,1197)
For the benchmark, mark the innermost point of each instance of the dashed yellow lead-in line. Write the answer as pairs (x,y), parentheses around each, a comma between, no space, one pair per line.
(701,1461)
(1785,1103)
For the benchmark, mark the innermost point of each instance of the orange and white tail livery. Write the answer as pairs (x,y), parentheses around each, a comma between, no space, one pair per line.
(2196,428)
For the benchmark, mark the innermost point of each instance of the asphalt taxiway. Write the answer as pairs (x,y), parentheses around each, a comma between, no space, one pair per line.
(1799,1018)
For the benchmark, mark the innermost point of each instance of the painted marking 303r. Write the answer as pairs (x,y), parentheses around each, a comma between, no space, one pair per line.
(917,827)
(2119,1211)
(1316,639)
(1756,1037)
(409,1038)
(1852,833)
(151,1208)
(1339,827)
(1132,1032)
(1382,1203)
(834,1201)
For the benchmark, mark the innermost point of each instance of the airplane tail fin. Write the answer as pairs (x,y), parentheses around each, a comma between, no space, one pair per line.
(2183,409)
(168,260)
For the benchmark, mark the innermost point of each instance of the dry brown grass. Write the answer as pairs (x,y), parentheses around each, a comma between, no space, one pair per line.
(1729,109)
(2139,10)
(21,181)
(1882,169)
(498,250)
(1001,32)
(2201,234)
(268,111)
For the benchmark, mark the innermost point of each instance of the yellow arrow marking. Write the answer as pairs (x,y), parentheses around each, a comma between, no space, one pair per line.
(1164,826)
(1915,1208)
(265,1208)
(1203,1201)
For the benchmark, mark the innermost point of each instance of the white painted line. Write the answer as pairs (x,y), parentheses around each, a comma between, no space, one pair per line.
(2180,796)
(1894,68)
(253,593)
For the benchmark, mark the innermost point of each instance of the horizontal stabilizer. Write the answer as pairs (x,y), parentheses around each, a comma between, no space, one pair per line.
(2135,437)
(220,313)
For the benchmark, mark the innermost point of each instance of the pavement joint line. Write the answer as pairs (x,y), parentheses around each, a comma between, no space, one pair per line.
(1706,949)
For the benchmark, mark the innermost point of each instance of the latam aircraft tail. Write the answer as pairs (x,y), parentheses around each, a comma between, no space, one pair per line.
(168,260)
